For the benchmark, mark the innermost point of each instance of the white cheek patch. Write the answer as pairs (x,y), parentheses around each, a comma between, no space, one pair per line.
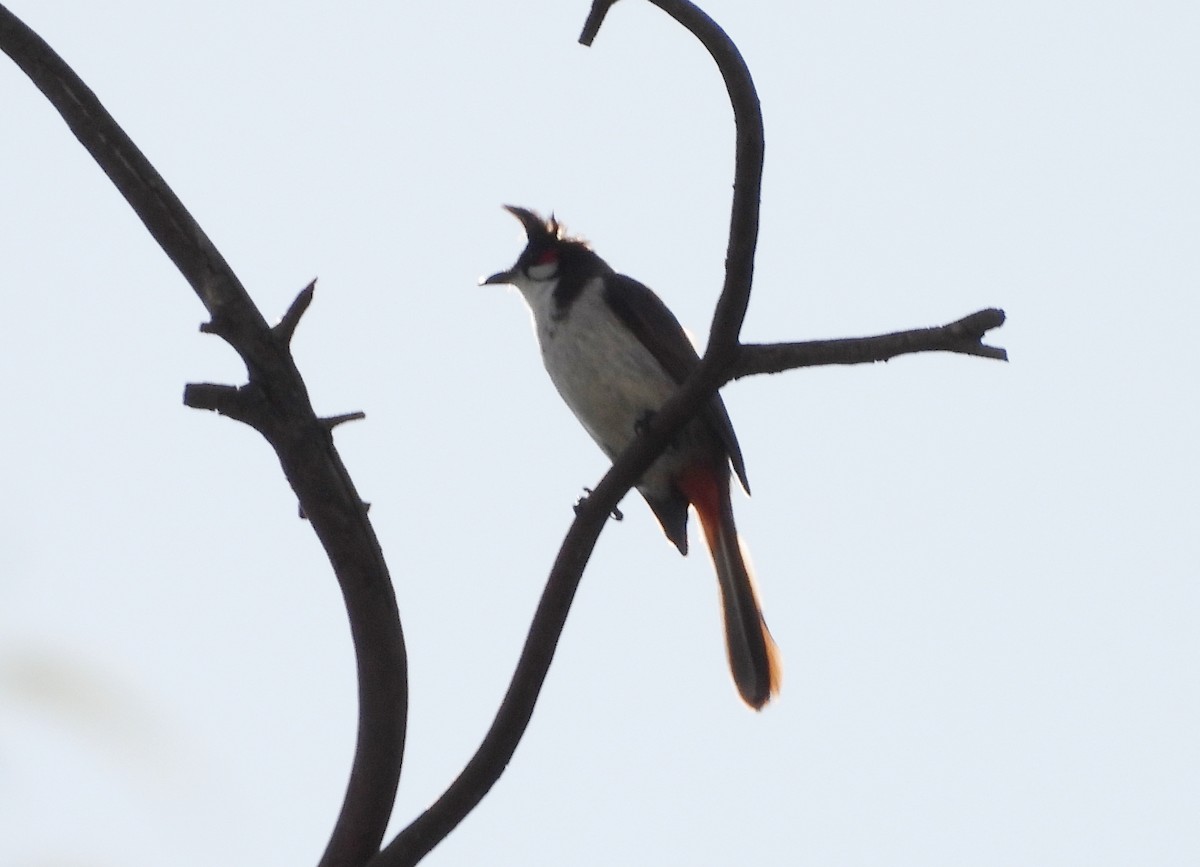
(543,271)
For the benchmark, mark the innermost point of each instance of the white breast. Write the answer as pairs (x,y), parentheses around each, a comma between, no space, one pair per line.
(603,372)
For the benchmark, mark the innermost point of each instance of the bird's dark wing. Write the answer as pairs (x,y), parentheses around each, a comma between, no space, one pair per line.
(659,331)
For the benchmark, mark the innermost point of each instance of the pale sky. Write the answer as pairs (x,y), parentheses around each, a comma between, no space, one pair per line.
(983,577)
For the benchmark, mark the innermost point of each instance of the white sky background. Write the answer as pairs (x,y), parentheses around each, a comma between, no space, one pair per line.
(983,576)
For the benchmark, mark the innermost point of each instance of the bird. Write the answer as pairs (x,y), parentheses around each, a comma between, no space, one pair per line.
(616,353)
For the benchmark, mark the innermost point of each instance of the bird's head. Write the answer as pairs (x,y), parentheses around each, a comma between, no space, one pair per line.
(548,251)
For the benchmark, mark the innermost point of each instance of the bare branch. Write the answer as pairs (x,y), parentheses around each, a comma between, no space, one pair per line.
(240,404)
(512,719)
(276,403)
(964,337)
(747,178)
(332,421)
(145,190)
(285,328)
(595,18)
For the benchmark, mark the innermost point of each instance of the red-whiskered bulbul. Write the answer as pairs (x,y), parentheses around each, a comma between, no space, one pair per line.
(616,353)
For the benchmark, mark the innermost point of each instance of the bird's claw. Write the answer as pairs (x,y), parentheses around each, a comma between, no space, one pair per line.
(617,514)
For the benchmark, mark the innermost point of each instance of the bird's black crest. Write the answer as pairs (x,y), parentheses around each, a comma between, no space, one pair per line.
(559,231)
(545,230)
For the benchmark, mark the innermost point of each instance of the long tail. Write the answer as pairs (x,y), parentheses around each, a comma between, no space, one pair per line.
(753,657)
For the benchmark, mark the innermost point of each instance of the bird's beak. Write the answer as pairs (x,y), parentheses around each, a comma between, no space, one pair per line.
(500,277)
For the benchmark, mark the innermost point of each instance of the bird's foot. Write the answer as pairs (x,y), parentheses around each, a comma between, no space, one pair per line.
(617,514)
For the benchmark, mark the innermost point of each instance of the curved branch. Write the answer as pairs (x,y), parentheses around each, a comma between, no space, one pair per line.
(964,337)
(151,199)
(747,178)
(276,403)
(512,719)
(748,166)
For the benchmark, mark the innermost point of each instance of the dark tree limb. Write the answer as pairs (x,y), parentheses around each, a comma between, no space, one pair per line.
(964,337)
(285,328)
(595,18)
(240,404)
(500,742)
(329,422)
(275,402)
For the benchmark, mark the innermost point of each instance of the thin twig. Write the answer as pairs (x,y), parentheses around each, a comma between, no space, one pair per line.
(329,422)
(595,18)
(285,328)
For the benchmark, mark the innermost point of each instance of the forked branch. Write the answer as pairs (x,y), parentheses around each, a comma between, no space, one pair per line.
(490,760)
